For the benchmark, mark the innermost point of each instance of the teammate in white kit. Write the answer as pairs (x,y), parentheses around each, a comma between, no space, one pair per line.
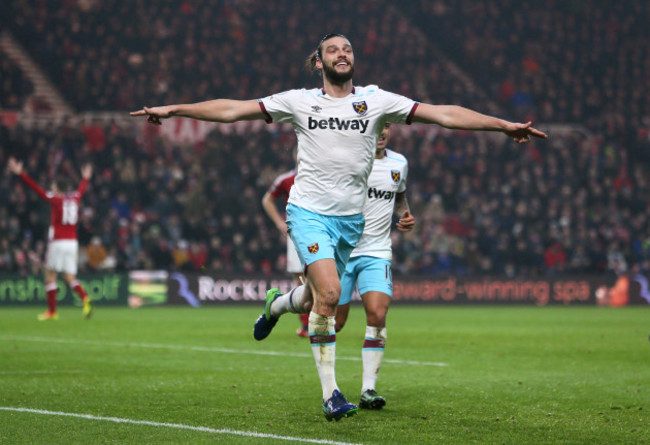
(369,267)
(337,127)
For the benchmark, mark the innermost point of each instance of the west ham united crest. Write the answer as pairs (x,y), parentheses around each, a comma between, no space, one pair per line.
(313,248)
(395,175)
(360,108)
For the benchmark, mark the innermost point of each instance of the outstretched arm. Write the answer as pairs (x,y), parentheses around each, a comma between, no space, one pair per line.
(86,171)
(219,110)
(16,168)
(459,118)
(406,220)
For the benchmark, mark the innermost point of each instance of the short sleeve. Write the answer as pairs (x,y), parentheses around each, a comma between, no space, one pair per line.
(280,107)
(276,190)
(405,172)
(398,109)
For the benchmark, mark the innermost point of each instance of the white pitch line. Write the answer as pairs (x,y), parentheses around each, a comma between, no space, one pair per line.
(203,429)
(209,349)
(43,371)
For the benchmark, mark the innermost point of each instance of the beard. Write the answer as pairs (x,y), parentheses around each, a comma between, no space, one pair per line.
(335,77)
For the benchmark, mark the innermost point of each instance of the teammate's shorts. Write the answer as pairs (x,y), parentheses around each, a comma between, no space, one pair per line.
(62,256)
(293,260)
(319,236)
(369,274)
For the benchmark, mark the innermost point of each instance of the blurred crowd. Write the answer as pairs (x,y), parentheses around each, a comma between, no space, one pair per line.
(576,203)
(483,205)
(115,55)
(168,208)
(582,62)
(15,87)
(553,61)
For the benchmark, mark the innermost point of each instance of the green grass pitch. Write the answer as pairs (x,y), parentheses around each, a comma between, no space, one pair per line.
(452,375)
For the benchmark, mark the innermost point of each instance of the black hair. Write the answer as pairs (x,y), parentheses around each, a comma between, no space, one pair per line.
(319,50)
(63,183)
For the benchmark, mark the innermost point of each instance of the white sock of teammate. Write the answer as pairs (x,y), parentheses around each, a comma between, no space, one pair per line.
(372,355)
(293,301)
(323,345)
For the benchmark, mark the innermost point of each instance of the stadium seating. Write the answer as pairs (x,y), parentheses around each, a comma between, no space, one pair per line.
(574,204)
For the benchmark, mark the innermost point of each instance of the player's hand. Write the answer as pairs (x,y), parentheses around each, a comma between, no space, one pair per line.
(16,167)
(406,222)
(522,132)
(86,171)
(154,114)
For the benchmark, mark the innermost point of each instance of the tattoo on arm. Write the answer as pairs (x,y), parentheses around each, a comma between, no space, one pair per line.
(401,204)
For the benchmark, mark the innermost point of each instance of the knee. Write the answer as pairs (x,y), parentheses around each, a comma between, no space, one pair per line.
(376,318)
(330,294)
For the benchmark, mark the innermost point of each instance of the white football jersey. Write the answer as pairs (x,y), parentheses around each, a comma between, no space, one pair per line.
(336,142)
(388,177)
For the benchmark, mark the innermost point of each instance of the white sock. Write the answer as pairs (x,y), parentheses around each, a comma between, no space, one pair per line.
(372,355)
(323,345)
(293,302)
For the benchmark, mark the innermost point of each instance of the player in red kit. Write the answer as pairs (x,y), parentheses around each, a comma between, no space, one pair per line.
(280,190)
(63,246)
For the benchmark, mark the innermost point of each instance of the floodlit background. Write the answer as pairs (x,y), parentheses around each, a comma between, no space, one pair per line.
(187,196)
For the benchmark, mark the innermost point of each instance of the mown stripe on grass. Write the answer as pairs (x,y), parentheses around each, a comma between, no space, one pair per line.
(203,429)
(208,349)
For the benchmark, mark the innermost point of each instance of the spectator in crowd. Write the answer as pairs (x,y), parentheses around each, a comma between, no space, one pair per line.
(95,253)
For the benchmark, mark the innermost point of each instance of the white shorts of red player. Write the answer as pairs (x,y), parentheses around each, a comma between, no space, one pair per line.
(63,256)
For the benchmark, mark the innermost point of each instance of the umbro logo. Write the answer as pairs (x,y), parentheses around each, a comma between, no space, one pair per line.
(316,109)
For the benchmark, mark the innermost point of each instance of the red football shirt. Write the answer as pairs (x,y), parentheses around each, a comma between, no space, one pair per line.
(64,208)
(282,185)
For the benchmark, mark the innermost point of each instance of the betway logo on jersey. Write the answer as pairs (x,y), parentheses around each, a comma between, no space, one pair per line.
(380,194)
(334,123)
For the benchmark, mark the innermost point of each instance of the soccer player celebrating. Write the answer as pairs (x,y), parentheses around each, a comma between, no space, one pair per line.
(337,127)
(63,246)
(370,262)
